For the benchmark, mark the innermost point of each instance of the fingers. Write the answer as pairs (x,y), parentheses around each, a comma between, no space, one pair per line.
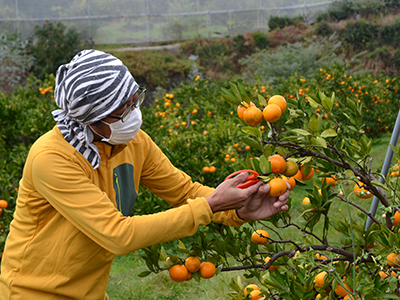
(265,188)
(282,200)
(239,178)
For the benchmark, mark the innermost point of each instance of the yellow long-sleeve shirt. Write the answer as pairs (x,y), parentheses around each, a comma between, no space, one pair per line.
(71,221)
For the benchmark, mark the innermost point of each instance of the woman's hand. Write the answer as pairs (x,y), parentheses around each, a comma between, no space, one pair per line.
(262,205)
(252,203)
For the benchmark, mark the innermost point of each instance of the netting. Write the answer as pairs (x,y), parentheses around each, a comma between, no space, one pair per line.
(147,21)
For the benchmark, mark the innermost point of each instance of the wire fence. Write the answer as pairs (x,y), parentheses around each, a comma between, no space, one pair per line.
(149,21)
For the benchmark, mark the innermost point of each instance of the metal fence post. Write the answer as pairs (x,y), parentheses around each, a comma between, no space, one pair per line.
(385,167)
(16,24)
(147,22)
(89,20)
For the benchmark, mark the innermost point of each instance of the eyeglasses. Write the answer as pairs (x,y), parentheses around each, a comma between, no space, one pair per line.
(139,100)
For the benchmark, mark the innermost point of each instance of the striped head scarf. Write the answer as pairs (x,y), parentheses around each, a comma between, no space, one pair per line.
(88,89)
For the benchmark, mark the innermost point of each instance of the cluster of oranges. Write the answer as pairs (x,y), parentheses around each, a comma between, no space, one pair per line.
(289,171)
(168,99)
(253,116)
(44,91)
(192,265)
(207,169)
(393,260)
(253,290)
(321,280)
(395,171)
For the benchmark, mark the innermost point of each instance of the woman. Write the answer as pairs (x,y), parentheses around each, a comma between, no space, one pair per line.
(80,182)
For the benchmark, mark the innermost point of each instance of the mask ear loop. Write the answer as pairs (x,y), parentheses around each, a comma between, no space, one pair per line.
(98,133)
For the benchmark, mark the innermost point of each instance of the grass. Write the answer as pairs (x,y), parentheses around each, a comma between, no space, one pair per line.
(125,284)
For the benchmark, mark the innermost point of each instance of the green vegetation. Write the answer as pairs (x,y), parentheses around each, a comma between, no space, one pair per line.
(52,45)
(156,68)
(15,63)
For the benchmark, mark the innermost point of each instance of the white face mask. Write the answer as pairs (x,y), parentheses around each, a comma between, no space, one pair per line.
(124,132)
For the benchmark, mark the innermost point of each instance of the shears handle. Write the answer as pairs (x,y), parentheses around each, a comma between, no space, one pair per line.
(250,180)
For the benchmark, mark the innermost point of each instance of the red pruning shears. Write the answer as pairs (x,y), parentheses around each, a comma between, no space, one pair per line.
(250,180)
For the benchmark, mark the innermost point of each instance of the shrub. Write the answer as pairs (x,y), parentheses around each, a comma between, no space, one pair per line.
(323,17)
(260,39)
(52,45)
(214,55)
(25,114)
(382,54)
(239,43)
(304,58)
(156,68)
(378,95)
(361,34)
(14,62)
(277,22)
(396,59)
(390,34)
(323,29)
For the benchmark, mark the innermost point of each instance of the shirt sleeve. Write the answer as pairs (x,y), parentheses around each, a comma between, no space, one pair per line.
(67,187)
(163,179)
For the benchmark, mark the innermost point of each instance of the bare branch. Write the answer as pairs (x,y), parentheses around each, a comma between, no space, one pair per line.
(359,208)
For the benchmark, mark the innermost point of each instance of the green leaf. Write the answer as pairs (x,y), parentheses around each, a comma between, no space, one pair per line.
(144,274)
(254,131)
(265,165)
(231,99)
(312,102)
(262,100)
(390,296)
(395,150)
(236,91)
(307,166)
(328,133)
(219,269)
(377,183)
(301,132)
(227,92)
(313,123)
(252,143)
(267,280)
(313,141)
(321,142)
(241,89)
(319,123)
(268,150)
(181,245)
(314,97)
(246,98)
(327,103)
(197,276)
(282,151)
(351,104)
(163,254)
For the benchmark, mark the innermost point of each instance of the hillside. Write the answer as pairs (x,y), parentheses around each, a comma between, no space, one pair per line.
(221,59)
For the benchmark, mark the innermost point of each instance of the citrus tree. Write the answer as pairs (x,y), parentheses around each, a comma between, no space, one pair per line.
(25,114)
(303,140)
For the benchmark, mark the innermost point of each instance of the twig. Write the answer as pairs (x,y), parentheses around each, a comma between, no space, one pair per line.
(360,208)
